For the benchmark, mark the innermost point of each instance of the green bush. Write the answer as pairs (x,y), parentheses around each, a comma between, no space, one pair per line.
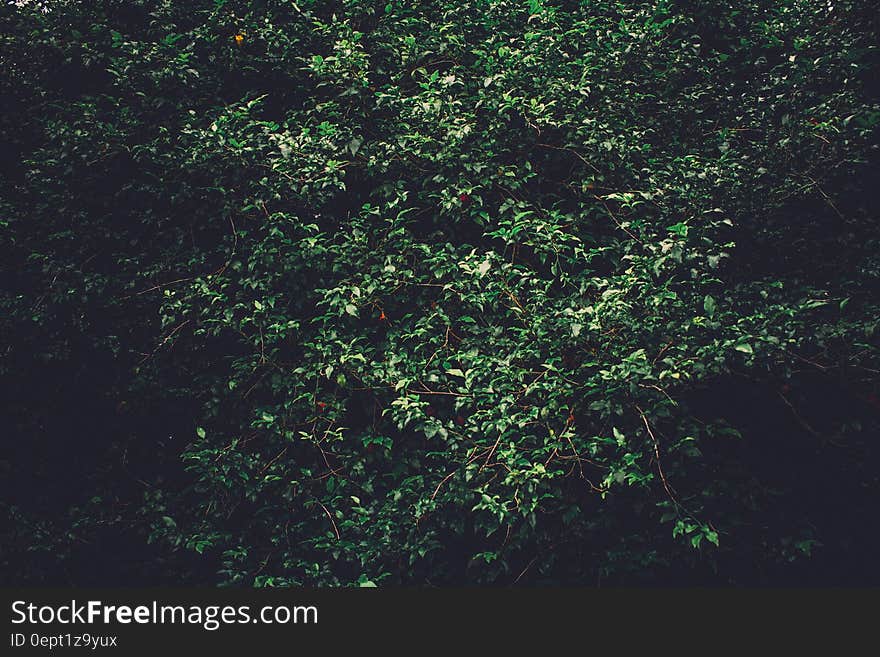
(348,292)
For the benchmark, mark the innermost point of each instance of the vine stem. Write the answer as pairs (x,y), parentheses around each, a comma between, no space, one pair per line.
(656,444)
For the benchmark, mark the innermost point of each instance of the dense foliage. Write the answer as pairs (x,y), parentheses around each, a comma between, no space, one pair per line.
(434,292)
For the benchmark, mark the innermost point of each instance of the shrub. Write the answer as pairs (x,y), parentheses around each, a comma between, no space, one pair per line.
(335,293)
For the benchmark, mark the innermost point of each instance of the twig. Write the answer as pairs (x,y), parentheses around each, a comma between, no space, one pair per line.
(269,464)
(491,454)
(436,392)
(801,421)
(656,443)
(329,515)
(525,570)
(614,219)
(572,151)
(164,341)
(443,481)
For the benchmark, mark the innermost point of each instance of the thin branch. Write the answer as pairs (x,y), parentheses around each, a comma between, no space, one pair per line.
(332,521)
(443,481)
(801,421)
(572,151)
(615,220)
(525,570)
(656,443)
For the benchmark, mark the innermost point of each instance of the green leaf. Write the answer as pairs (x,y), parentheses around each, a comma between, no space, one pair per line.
(709,305)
